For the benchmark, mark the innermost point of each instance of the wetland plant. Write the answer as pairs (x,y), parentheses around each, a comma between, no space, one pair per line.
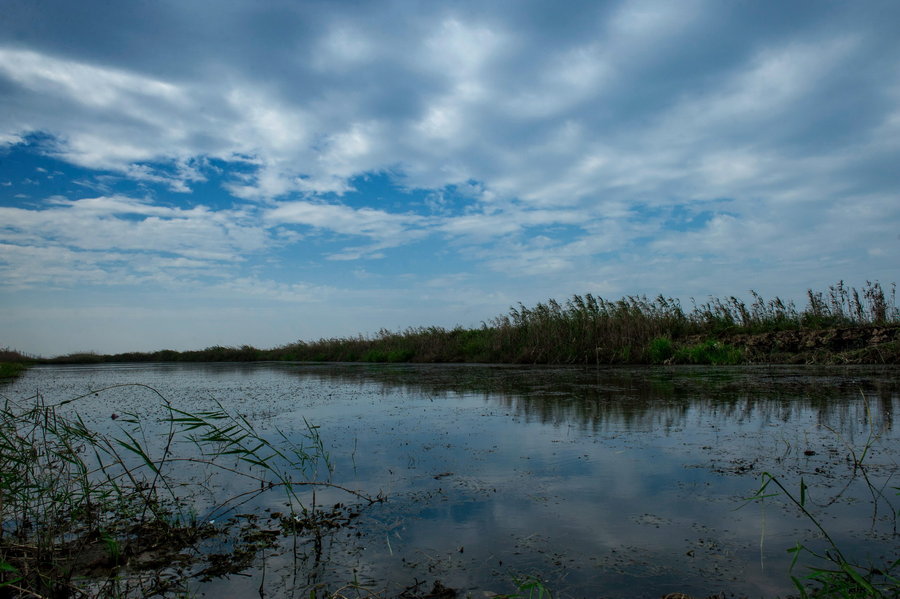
(528,587)
(10,370)
(88,513)
(709,352)
(586,329)
(661,350)
(13,363)
(832,572)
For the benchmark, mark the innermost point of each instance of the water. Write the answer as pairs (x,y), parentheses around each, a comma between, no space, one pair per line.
(604,483)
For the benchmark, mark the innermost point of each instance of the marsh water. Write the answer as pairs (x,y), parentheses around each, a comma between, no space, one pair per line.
(609,482)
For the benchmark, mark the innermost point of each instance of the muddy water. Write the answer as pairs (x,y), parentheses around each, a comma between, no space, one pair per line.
(604,483)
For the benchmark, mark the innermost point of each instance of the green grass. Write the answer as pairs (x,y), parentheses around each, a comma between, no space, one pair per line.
(710,352)
(13,363)
(661,350)
(10,370)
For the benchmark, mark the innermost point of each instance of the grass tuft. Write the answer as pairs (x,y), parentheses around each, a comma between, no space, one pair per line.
(78,505)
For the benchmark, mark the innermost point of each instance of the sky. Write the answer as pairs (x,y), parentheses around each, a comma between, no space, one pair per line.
(186,174)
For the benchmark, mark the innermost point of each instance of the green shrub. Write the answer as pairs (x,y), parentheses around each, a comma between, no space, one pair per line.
(710,352)
(374,355)
(10,370)
(475,345)
(400,355)
(660,350)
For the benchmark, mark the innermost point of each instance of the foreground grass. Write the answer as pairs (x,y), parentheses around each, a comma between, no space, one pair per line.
(87,513)
(830,572)
(632,330)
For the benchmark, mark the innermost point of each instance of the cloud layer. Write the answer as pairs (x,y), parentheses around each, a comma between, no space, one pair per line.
(513,151)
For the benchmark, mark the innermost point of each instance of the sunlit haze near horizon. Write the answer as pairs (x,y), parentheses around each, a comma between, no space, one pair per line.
(187,174)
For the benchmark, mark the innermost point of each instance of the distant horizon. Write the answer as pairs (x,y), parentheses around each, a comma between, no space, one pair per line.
(889,294)
(186,175)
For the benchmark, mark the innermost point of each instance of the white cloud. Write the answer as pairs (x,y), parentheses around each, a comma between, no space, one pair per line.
(255,287)
(344,220)
(119,240)
(10,138)
(93,86)
(486,226)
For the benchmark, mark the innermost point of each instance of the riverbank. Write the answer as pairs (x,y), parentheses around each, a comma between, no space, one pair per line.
(842,325)
(10,370)
(12,364)
(837,345)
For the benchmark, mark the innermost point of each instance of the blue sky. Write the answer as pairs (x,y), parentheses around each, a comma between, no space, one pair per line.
(184,174)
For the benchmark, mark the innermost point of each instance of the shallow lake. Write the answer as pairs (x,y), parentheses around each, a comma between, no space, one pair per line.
(610,482)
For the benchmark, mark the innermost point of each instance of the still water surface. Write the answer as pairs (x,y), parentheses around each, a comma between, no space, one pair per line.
(624,482)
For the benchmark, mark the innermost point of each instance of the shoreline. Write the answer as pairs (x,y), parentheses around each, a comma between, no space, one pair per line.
(874,344)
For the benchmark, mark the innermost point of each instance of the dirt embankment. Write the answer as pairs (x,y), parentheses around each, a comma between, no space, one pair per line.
(850,345)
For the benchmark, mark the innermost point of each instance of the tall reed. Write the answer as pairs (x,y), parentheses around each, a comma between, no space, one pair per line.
(583,329)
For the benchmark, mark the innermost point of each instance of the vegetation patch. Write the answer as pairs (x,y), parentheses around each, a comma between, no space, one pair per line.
(86,513)
(840,325)
(661,350)
(710,352)
(10,370)
(13,363)
(831,572)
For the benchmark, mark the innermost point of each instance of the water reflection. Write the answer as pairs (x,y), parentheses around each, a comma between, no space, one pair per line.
(649,398)
(609,482)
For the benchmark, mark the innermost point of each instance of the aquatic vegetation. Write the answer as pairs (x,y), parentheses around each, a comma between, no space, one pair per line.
(831,572)
(9,370)
(13,363)
(91,513)
(661,350)
(711,352)
(432,435)
(528,587)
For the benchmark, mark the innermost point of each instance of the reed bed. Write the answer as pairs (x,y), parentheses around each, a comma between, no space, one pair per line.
(591,330)
(585,329)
